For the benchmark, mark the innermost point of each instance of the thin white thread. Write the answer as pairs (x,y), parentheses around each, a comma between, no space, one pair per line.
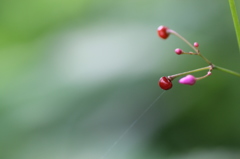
(131,126)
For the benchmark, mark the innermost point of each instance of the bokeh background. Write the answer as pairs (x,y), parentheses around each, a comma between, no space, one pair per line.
(76,73)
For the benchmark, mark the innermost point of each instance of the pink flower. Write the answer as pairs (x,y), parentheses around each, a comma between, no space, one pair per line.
(189,79)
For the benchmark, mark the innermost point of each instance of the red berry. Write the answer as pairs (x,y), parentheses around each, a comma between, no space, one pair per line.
(162,32)
(165,83)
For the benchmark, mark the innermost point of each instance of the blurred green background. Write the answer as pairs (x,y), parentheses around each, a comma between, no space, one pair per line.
(76,73)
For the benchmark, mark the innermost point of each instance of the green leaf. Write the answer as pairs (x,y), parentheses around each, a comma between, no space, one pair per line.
(235,20)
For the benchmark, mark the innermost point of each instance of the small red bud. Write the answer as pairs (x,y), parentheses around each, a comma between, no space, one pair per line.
(165,83)
(178,51)
(196,44)
(162,32)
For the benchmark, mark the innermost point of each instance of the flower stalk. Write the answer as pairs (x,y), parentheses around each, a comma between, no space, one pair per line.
(227,70)
(172,77)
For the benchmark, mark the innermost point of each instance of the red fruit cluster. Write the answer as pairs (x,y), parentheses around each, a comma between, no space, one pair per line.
(163,32)
(165,83)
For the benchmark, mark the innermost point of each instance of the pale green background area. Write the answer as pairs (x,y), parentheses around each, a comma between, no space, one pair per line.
(75,74)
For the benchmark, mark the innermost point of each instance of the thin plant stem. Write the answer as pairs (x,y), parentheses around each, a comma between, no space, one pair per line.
(188,72)
(210,63)
(205,68)
(199,78)
(235,20)
(227,70)
(185,40)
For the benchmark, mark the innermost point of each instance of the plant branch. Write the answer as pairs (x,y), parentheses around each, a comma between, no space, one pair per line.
(185,40)
(188,72)
(227,70)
